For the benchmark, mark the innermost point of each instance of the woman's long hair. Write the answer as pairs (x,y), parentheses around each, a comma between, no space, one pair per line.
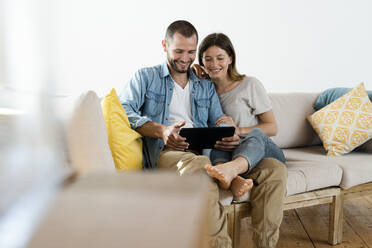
(222,41)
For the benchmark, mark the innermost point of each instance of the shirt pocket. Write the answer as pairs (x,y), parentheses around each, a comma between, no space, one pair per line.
(202,109)
(154,104)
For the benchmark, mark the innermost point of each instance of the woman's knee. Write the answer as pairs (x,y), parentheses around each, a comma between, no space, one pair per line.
(257,132)
(256,136)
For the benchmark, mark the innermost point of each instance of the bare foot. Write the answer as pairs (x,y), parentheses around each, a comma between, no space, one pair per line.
(240,186)
(224,173)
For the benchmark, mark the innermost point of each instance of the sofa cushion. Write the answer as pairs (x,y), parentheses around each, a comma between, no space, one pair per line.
(346,123)
(305,176)
(226,197)
(357,169)
(330,95)
(290,110)
(125,143)
(356,166)
(85,134)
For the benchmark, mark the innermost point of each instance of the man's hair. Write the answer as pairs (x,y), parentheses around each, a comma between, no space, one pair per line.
(185,28)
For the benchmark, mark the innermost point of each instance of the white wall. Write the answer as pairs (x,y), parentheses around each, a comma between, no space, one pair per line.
(290,45)
(2,46)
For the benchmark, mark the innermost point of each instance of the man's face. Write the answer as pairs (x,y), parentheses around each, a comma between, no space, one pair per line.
(181,52)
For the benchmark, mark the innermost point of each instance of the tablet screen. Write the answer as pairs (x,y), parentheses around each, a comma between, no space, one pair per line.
(205,137)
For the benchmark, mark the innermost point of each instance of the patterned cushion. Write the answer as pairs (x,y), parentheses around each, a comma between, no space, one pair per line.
(346,123)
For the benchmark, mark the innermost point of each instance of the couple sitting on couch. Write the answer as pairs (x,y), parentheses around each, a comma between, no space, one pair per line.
(162,99)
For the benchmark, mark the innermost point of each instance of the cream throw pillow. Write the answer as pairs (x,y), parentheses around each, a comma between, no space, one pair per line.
(125,143)
(345,123)
(85,133)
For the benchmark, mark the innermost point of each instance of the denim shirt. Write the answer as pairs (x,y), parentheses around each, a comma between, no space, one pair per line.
(147,96)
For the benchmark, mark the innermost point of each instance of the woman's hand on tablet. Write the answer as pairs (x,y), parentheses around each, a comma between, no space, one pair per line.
(228,144)
(225,119)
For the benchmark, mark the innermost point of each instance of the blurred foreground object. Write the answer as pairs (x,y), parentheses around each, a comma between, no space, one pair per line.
(30,163)
(127,210)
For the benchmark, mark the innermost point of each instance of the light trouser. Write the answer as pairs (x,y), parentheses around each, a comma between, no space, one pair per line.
(266,198)
(186,163)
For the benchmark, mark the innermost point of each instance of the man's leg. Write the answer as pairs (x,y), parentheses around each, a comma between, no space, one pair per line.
(266,197)
(186,163)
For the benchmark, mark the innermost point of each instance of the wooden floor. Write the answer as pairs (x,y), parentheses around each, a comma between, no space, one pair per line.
(308,227)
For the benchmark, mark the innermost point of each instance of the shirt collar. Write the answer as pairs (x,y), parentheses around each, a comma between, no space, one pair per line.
(164,71)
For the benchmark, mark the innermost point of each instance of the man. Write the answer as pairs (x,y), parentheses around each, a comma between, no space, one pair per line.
(160,100)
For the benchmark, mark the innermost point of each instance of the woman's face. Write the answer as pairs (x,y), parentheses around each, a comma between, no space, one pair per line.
(216,61)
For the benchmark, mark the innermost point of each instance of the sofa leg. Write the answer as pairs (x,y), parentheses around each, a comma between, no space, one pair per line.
(237,222)
(336,219)
(231,223)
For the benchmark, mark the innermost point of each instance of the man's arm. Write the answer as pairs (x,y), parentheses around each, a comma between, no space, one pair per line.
(267,125)
(152,129)
(132,99)
(169,134)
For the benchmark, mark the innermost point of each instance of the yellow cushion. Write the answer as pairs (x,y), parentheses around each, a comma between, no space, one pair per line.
(124,142)
(345,123)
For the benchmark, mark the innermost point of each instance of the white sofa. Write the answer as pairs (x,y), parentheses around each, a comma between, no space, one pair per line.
(313,177)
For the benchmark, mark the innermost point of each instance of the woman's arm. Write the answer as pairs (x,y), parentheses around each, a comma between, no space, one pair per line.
(267,124)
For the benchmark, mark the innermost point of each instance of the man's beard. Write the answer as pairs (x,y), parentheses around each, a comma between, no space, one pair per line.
(172,63)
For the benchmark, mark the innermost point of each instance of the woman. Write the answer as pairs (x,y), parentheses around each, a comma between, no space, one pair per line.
(246,101)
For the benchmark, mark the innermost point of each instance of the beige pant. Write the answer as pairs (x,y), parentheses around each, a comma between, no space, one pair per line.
(189,163)
(266,197)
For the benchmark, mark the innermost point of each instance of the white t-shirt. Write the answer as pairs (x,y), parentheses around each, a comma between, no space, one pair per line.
(180,107)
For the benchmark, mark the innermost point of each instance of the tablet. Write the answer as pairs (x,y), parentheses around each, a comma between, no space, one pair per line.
(205,137)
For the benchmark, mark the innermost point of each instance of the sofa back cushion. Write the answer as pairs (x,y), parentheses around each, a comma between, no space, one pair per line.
(85,133)
(291,110)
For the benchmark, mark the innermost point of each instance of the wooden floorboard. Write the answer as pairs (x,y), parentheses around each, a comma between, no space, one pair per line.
(292,232)
(358,214)
(315,220)
(308,227)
